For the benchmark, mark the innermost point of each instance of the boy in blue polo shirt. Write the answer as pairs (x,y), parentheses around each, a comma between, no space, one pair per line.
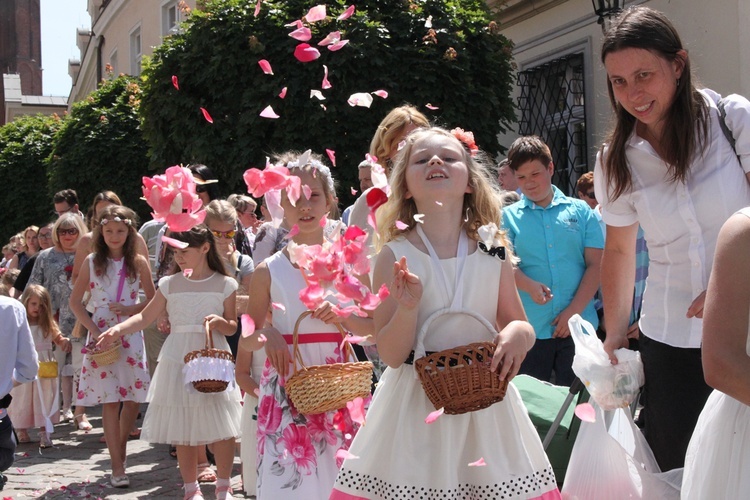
(559,243)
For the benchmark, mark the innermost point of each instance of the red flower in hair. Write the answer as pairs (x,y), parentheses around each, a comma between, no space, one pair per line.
(467,138)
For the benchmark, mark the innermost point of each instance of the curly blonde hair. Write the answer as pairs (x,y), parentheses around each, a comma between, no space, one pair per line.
(391,129)
(481,206)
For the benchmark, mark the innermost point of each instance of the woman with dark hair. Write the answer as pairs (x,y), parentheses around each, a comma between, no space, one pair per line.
(667,166)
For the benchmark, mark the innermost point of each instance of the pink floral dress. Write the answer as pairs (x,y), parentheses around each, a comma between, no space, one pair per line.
(126,379)
(297,453)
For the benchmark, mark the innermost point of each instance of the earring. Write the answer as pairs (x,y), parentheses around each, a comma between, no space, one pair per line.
(678,82)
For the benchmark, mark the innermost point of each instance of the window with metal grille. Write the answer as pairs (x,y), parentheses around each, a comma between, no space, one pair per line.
(552,106)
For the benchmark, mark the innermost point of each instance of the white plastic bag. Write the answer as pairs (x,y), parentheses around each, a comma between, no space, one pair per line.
(613,461)
(611,386)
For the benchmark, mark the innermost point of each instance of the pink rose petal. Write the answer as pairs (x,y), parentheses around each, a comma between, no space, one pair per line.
(248,325)
(187,272)
(265,66)
(278,305)
(357,410)
(304,53)
(257,9)
(262,338)
(307,190)
(478,463)
(294,231)
(381,93)
(337,45)
(297,24)
(354,191)
(439,203)
(363,99)
(345,455)
(317,13)
(430,106)
(347,13)
(323,221)
(317,94)
(256,391)
(173,242)
(419,218)
(332,37)
(175,83)
(401,226)
(434,416)
(302,34)
(331,156)
(268,112)
(586,412)
(326,84)
(282,94)
(206,115)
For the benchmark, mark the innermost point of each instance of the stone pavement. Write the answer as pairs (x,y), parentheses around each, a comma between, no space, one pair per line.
(78,467)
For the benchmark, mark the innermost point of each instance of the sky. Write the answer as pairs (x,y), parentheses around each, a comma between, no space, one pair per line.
(60,19)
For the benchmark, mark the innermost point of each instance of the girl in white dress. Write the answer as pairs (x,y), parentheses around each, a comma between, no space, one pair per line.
(199,296)
(444,195)
(718,457)
(35,404)
(297,454)
(113,274)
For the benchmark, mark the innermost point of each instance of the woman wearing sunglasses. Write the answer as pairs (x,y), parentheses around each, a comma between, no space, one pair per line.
(53,270)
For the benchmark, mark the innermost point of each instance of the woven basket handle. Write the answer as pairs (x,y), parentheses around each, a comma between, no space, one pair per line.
(419,350)
(297,358)
(209,337)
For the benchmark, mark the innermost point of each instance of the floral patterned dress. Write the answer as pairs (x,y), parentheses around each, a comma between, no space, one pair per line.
(297,453)
(127,379)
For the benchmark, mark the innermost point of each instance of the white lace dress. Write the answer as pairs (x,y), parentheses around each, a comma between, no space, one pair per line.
(177,415)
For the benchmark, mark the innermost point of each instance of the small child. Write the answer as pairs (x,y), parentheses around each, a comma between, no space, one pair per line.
(113,274)
(35,404)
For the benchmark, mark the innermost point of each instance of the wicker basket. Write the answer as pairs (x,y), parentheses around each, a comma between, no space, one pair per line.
(107,356)
(459,379)
(210,385)
(321,388)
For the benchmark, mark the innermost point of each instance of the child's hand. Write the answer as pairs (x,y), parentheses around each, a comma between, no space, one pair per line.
(163,324)
(325,314)
(214,321)
(65,344)
(121,309)
(510,352)
(107,338)
(277,351)
(407,287)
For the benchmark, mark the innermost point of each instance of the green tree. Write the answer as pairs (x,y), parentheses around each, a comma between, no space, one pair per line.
(462,66)
(25,144)
(100,146)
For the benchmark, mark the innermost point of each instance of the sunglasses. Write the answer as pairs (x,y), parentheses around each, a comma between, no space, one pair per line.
(224,234)
(71,231)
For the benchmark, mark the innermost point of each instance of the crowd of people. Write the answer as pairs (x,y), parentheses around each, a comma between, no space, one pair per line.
(457,241)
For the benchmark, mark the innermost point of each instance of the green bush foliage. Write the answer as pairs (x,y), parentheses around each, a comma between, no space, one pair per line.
(100,146)
(462,65)
(25,144)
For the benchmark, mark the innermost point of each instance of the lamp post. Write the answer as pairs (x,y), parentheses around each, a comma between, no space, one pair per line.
(605,9)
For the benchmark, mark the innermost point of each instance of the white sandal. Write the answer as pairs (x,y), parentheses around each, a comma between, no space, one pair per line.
(82,422)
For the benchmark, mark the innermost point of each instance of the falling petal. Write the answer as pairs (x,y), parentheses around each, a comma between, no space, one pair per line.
(419,218)
(323,221)
(430,106)
(342,453)
(207,116)
(317,94)
(317,13)
(337,45)
(307,190)
(268,112)
(265,66)
(294,231)
(354,191)
(401,226)
(478,463)
(248,325)
(439,203)
(304,53)
(302,34)
(187,272)
(257,9)
(381,93)
(332,156)
(357,410)
(363,99)
(332,37)
(357,339)
(298,24)
(173,242)
(262,338)
(282,94)
(174,82)
(434,416)
(428,22)
(278,305)
(323,106)
(326,84)
(256,391)
(347,13)
(586,412)
(401,145)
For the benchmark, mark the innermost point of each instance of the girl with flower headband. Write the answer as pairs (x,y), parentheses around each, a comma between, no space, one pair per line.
(297,454)
(442,204)
(113,274)
(201,296)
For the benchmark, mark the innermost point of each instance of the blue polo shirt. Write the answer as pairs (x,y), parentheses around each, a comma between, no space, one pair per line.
(550,243)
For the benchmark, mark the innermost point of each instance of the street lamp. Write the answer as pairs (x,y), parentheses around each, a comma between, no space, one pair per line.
(606,9)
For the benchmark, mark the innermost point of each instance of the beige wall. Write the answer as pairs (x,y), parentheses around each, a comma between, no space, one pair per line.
(116,23)
(710,30)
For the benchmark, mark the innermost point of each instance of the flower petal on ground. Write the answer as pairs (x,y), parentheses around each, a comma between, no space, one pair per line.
(586,412)
(434,416)
(206,115)
(265,66)
(347,13)
(317,13)
(304,53)
(268,112)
